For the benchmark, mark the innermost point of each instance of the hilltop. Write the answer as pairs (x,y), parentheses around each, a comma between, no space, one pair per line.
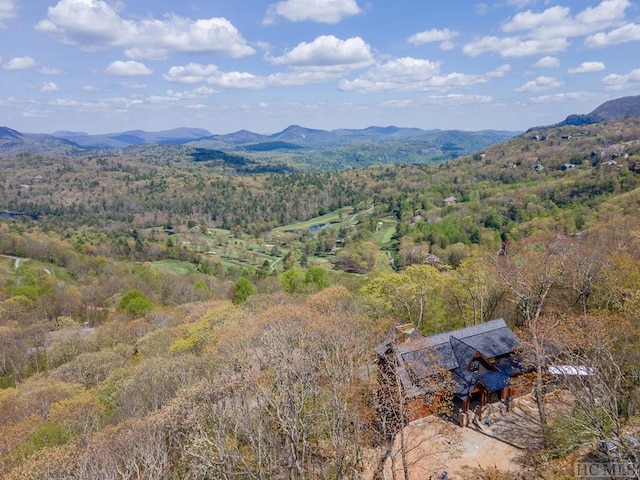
(615,109)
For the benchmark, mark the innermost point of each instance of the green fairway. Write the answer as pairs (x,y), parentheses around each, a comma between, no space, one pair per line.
(384,234)
(214,231)
(175,266)
(333,217)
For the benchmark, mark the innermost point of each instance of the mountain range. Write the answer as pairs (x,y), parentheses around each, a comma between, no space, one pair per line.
(291,138)
(294,137)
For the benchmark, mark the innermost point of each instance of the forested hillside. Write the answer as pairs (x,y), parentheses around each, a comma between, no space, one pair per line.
(166,314)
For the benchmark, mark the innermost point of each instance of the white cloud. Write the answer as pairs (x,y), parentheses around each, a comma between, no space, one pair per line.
(588,67)
(606,11)
(615,82)
(445,36)
(563,97)
(413,74)
(48,87)
(515,46)
(540,84)
(529,20)
(321,11)
(232,80)
(397,103)
(210,74)
(133,85)
(557,20)
(328,51)
(127,69)
(94,24)
(520,3)
(81,106)
(627,33)
(481,8)
(549,31)
(446,100)
(196,73)
(191,73)
(457,99)
(547,62)
(50,71)
(20,63)
(8,9)
(199,93)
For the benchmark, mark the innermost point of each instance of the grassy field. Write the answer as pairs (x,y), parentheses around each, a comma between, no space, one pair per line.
(384,235)
(334,217)
(215,231)
(246,251)
(175,266)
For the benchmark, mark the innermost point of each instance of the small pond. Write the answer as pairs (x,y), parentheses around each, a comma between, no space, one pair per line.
(317,228)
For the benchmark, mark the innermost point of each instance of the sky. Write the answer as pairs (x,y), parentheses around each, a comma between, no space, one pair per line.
(104,66)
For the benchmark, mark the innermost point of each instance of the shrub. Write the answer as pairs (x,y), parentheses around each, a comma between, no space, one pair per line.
(135,302)
(243,290)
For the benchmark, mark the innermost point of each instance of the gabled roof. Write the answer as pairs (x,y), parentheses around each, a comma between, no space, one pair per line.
(454,351)
(491,339)
(462,352)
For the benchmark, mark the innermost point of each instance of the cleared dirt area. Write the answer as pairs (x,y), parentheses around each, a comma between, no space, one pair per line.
(435,445)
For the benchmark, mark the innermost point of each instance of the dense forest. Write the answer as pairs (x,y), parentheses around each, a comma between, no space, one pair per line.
(168,313)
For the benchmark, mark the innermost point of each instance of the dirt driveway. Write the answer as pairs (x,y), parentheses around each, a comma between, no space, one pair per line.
(435,445)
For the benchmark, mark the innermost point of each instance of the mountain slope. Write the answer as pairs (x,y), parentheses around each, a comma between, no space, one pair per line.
(615,109)
(296,136)
(176,136)
(13,142)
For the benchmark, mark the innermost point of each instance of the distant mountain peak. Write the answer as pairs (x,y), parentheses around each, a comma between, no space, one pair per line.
(618,108)
(383,130)
(6,132)
(614,109)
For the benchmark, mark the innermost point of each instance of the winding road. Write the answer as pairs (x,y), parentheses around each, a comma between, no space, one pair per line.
(16,260)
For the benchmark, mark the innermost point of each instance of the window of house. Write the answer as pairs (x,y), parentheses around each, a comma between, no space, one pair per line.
(474,366)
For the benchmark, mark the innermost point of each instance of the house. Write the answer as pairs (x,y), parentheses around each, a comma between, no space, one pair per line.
(480,360)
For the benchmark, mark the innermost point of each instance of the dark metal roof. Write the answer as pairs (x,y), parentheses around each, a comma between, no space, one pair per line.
(466,381)
(493,343)
(495,381)
(454,351)
(463,352)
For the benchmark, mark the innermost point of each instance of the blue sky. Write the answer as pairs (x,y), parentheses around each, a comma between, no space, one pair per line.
(112,65)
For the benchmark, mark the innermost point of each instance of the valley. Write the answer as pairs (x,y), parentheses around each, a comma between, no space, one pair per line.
(210,310)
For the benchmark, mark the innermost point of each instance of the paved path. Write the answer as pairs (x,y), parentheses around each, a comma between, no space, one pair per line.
(16,260)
